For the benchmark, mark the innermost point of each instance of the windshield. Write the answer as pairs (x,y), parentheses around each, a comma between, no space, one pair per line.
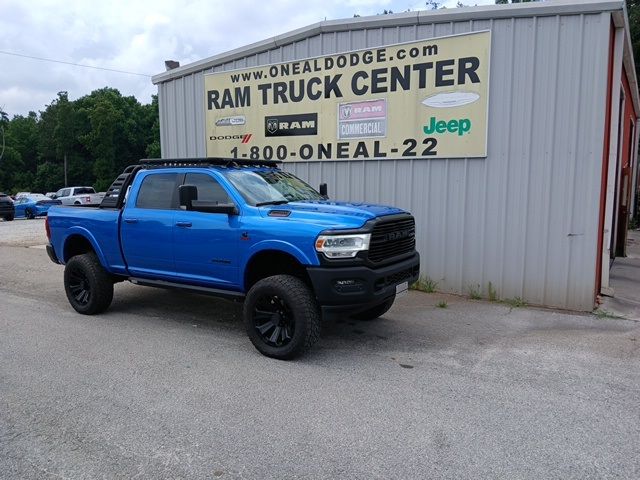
(271,187)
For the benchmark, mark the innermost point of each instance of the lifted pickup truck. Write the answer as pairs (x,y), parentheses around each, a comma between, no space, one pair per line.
(244,230)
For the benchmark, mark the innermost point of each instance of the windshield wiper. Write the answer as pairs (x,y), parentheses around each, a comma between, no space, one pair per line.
(272,202)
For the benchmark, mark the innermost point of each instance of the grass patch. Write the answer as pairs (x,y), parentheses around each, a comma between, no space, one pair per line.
(493,295)
(425,284)
(515,302)
(602,313)
(474,292)
(442,304)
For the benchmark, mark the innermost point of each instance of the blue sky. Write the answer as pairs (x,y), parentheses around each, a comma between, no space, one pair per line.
(138,35)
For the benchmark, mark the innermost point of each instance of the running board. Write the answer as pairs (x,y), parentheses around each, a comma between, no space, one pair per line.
(237,296)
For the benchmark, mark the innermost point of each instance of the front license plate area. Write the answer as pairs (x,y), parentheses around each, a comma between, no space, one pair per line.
(402,289)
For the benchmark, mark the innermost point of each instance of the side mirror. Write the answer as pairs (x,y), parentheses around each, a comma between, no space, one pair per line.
(187,193)
(323,190)
(54,196)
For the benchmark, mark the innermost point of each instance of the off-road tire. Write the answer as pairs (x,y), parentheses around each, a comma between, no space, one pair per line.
(88,286)
(376,311)
(288,294)
(8,218)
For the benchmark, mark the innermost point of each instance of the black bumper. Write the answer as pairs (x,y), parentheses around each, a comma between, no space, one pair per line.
(358,288)
(52,254)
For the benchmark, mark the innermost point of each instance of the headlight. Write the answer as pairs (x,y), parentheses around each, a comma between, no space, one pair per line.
(342,246)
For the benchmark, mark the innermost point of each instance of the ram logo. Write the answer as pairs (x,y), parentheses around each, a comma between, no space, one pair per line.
(290,125)
(272,125)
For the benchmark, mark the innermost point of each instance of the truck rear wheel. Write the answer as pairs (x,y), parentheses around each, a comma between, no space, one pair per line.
(376,311)
(281,317)
(88,286)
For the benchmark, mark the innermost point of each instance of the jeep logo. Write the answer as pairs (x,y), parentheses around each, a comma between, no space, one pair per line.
(289,125)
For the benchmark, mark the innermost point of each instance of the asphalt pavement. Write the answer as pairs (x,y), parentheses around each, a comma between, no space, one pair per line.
(167,385)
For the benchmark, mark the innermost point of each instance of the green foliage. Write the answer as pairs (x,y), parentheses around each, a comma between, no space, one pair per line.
(491,290)
(98,134)
(515,302)
(474,292)
(442,304)
(425,284)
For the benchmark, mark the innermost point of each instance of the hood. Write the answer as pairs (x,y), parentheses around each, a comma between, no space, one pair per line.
(330,214)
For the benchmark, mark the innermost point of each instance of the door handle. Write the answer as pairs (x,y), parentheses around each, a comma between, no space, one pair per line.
(183,224)
(131,220)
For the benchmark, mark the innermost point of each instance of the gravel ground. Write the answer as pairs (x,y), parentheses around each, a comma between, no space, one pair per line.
(166,385)
(23,232)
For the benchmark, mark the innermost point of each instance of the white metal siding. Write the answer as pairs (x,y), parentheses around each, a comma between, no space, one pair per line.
(526,217)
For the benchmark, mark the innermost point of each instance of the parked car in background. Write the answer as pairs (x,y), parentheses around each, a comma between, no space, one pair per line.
(50,194)
(20,195)
(7,210)
(78,196)
(34,205)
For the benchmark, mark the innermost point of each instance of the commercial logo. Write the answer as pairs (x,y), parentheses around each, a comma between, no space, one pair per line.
(364,119)
(231,121)
(450,99)
(244,138)
(291,125)
(460,126)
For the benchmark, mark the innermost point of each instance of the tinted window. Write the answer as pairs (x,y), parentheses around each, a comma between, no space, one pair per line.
(209,190)
(158,191)
(84,190)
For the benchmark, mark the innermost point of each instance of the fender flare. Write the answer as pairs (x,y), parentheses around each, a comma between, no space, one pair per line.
(83,232)
(280,246)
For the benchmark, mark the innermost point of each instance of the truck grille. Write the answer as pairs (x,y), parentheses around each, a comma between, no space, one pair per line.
(392,238)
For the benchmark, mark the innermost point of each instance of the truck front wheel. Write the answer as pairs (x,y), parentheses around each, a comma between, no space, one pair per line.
(376,311)
(88,286)
(281,317)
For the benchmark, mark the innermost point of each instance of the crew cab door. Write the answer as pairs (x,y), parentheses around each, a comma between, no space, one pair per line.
(146,229)
(206,244)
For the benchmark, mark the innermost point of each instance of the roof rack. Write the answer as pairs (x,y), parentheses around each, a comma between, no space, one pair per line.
(206,162)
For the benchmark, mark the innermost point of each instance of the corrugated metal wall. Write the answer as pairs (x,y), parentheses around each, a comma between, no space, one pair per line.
(525,218)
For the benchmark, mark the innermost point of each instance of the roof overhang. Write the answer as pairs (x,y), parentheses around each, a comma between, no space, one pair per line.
(486,12)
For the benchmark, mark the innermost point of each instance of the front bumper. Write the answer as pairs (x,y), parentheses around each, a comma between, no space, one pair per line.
(358,288)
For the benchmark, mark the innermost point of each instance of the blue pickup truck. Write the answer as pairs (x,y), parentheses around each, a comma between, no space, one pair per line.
(240,229)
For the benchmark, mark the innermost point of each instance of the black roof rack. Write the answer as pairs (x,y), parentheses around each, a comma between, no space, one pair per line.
(114,197)
(206,162)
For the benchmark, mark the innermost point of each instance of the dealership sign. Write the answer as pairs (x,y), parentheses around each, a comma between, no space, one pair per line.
(426,99)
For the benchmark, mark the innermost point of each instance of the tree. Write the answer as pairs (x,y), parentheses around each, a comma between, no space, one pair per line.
(99,134)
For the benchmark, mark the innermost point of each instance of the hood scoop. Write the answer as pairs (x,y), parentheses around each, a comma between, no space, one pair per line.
(279,213)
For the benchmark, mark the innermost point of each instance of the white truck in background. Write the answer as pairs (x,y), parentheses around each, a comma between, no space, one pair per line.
(78,196)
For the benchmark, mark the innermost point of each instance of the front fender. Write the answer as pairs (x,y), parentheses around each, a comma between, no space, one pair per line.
(280,246)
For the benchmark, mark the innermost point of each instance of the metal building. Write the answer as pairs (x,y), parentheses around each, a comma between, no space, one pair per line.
(541,215)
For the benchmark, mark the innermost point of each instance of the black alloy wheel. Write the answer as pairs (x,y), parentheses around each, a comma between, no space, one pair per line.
(79,286)
(88,286)
(29,213)
(272,319)
(281,316)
